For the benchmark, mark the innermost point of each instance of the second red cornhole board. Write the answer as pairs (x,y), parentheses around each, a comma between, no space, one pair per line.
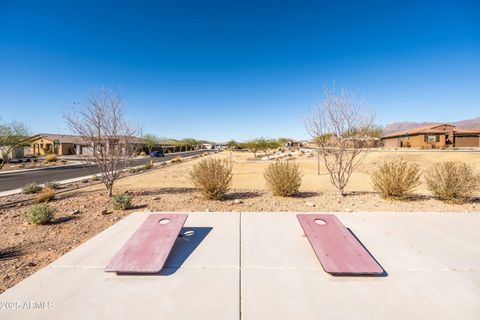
(339,252)
(148,248)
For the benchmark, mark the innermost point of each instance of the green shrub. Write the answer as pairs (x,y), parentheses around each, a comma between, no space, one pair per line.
(40,214)
(52,185)
(50,158)
(212,177)
(122,201)
(46,195)
(452,181)
(148,165)
(135,170)
(31,188)
(396,179)
(283,178)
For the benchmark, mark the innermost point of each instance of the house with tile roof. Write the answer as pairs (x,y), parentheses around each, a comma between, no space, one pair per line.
(440,135)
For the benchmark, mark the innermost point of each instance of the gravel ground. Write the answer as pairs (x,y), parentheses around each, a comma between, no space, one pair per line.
(25,248)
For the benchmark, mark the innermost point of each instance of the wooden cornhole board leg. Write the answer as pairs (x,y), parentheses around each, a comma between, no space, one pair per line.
(339,252)
(148,248)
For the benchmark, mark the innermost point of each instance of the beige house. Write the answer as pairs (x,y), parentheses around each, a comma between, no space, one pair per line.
(440,135)
(59,144)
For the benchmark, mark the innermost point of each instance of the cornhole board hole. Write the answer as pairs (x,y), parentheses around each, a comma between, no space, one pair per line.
(146,251)
(339,252)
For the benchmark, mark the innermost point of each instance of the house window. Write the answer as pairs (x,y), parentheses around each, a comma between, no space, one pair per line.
(432,138)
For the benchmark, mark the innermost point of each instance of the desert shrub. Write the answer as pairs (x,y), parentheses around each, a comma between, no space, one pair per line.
(31,188)
(396,179)
(50,158)
(135,170)
(142,154)
(176,160)
(148,165)
(46,195)
(452,181)
(95,178)
(40,214)
(52,184)
(122,201)
(283,178)
(212,177)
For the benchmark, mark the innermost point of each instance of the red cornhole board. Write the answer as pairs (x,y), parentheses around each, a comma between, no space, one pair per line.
(148,248)
(339,252)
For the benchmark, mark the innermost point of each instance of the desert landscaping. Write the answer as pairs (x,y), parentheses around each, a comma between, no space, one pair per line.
(82,213)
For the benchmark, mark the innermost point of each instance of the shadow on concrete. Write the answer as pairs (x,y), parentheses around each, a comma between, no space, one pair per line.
(384,274)
(188,240)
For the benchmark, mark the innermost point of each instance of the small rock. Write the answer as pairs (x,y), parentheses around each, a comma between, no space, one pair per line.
(309,204)
(156,198)
(32,264)
(74,212)
(238,201)
(104,212)
(16,233)
(348,210)
(207,210)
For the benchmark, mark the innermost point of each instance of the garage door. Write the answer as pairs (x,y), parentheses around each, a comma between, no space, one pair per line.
(467,141)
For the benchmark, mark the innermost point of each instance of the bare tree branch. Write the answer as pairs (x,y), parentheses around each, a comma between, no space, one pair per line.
(112,139)
(342,129)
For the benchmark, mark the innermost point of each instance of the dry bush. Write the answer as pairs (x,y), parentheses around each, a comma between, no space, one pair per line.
(177,159)
(396,179)
(122,201)
(453,181)
(283,178)
(40,214)
(212,177)
(50,158)
(52,184)
(46,195)
(31,188)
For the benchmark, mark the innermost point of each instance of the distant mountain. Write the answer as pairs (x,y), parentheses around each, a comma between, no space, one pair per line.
(400,126)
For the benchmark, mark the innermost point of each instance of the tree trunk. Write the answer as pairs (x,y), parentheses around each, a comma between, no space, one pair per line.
(109,189)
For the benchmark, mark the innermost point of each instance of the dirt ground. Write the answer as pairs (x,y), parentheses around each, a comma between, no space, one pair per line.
(248,174)
(33,165)
(26,248)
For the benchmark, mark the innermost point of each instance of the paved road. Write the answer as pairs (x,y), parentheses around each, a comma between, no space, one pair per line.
(17,180)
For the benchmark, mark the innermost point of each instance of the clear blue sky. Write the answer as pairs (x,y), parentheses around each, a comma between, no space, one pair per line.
(222,69)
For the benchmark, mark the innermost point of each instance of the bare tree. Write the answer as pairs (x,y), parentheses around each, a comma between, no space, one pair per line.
(113,140)
(12,135)
(342,128)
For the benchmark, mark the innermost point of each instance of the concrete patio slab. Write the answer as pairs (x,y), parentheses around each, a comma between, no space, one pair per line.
(203,268)
(261,266)
(422,280)
(219,235)
(310,294)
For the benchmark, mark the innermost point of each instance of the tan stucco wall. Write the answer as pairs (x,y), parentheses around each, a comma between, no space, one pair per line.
(63,148)
(416,141)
